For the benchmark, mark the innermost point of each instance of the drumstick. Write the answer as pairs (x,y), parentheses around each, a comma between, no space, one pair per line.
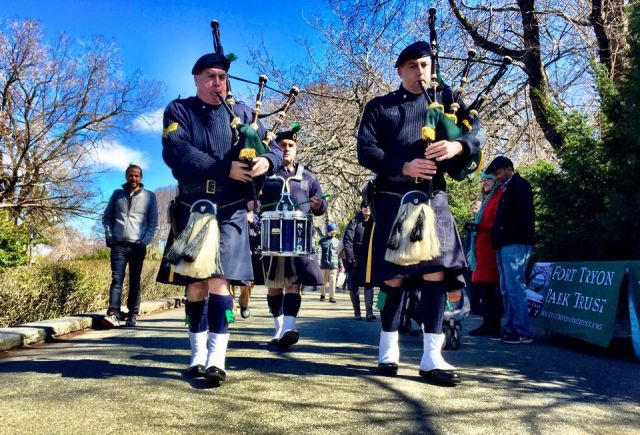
(271,204)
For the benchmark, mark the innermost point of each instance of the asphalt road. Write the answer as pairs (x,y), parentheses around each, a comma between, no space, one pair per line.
(130,381)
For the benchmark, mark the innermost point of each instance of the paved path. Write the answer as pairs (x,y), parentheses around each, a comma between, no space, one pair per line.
(129,381)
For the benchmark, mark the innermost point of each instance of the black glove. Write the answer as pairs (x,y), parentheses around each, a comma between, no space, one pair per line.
(109,242)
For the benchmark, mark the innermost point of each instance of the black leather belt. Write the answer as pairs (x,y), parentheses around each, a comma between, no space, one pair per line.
(209,186)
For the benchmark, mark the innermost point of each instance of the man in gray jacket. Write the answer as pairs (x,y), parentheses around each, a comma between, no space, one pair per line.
(130,221)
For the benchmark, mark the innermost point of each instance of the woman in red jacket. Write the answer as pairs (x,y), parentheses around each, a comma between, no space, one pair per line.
(482,260)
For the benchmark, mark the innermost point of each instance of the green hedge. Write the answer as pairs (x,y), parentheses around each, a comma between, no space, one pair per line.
(45,291)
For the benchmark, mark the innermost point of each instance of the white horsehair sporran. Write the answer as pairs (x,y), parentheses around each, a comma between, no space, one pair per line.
(413,237)
(196,251)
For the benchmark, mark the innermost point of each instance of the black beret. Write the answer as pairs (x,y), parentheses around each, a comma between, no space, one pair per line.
(210,60)
(291,134)
(414,51)
(498,163)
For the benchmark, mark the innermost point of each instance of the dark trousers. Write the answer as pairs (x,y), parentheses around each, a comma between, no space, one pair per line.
(491,305)
(121,254)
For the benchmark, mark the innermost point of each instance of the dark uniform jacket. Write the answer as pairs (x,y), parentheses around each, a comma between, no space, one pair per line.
(301,190)
(515,218)
(391,134)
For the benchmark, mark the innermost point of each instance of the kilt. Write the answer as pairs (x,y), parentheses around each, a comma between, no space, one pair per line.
(235,253)
(305,270)
(451,260)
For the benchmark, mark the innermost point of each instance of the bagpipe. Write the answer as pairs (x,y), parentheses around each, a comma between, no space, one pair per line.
(413,236)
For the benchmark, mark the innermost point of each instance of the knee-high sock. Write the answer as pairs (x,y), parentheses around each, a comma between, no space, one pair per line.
(275,304)
(290,308)
(196,313)
(198,342)
(217,350)
(432,300)
(217,315)
(291,304)
(390,313)
(388,350)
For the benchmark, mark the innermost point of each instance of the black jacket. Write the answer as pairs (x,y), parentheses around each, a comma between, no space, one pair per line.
(353,239)
(515,218)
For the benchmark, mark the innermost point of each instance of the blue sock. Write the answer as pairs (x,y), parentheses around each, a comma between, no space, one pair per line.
(275,304)
(291,304)
(432,299)
(196,315)
(390,313)
(218,307)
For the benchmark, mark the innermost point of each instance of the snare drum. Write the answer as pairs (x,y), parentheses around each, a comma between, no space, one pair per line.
(286,233)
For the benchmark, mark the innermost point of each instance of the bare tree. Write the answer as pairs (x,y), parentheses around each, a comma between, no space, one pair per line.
(552,42)
(57,101)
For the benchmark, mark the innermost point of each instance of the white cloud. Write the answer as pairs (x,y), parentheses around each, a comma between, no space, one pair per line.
(149,122)
(113,154)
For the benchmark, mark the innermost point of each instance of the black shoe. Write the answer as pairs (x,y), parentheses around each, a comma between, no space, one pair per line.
(332,300)
(196,371)
(498,336)
(289,338)
(484,331)
(387,369)
(245,312)
(358,317)
(215,375)
(371,317)
(321,298)
(447,378)
(132,320)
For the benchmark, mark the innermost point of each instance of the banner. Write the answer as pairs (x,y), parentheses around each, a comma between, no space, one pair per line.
(634,305)
(579,299)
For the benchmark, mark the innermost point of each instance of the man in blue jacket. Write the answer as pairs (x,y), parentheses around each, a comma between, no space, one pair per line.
(130,221)
(513,238)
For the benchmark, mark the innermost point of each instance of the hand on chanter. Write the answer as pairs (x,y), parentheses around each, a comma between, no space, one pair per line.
(260,166)
(240,171)
(420,168)
(443,150)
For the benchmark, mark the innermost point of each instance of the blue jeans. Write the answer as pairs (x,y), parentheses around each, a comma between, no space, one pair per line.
(512,262)
(121,254)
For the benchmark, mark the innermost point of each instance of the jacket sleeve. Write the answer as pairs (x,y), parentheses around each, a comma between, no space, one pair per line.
(107,216)
(152,219)
(525,212)
(180,152)
(371,155)
(347,241)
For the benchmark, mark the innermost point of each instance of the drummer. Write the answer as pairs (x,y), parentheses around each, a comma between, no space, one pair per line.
(285,275)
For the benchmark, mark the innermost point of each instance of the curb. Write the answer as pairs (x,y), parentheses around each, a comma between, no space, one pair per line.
(46,330)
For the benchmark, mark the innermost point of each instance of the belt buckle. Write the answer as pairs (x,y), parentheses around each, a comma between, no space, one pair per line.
(210,186)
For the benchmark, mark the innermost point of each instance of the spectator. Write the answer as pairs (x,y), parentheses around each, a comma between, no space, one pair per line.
(513,237)
(482,259)
(355,253)
(330,262)
(130,221)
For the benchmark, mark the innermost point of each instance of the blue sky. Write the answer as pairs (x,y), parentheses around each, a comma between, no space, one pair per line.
(162,39)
